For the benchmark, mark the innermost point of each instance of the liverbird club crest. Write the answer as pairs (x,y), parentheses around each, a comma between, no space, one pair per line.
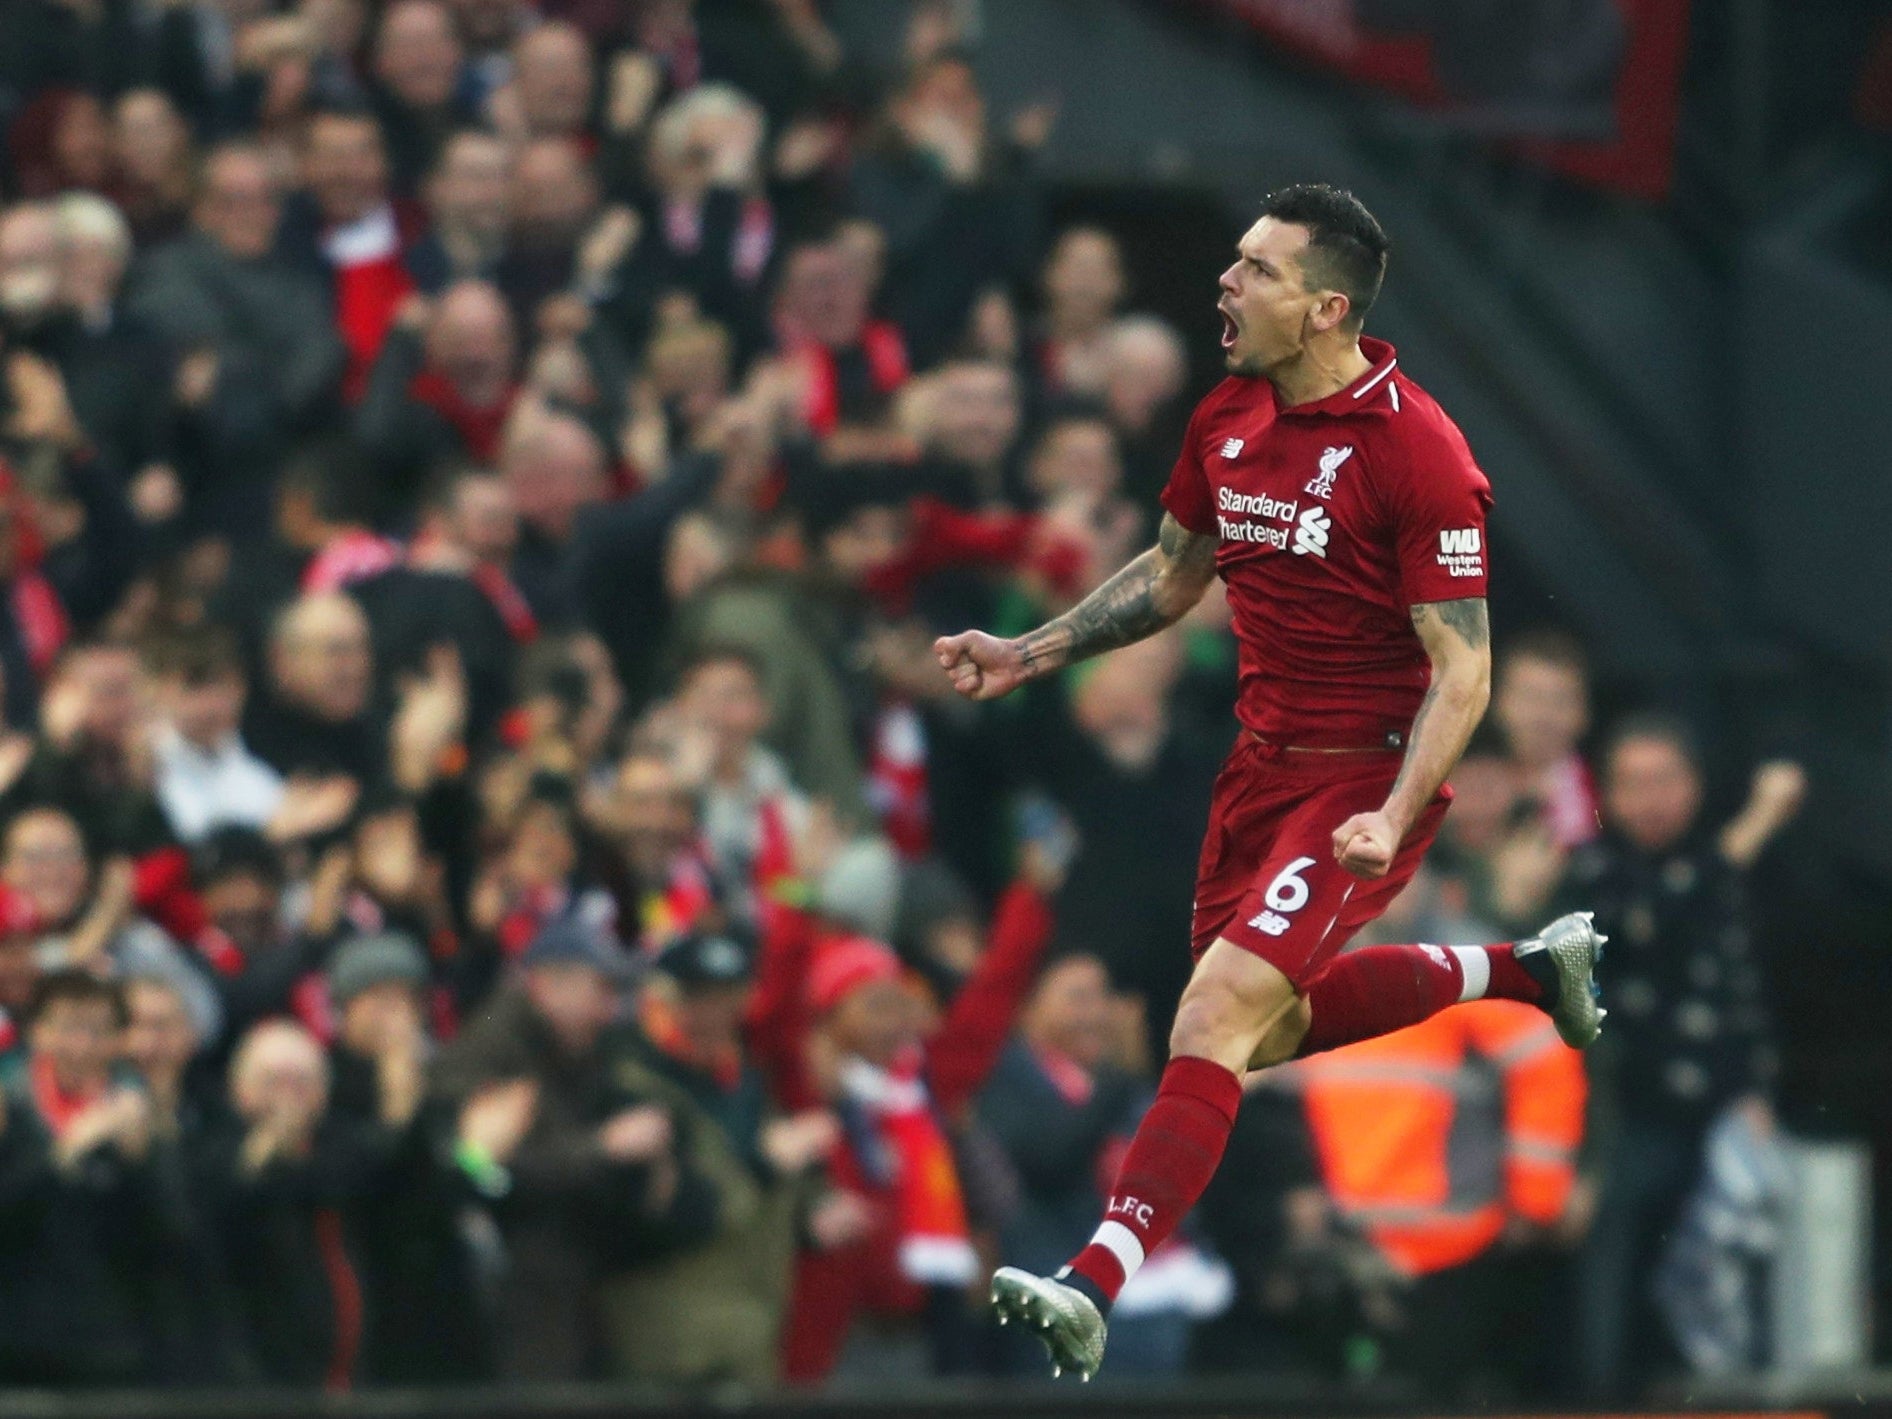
(1322,485)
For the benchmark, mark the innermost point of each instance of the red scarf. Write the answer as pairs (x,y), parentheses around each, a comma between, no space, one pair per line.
(931,1241)
(354,556)
(55,1105)
(35,605)
(479,426)
(897,781)
(371,281)
(886,366)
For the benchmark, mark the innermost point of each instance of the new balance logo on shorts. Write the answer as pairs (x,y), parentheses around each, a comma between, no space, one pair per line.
(1271,922)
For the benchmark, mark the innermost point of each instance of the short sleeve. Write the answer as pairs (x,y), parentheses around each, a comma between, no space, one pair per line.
(1440,504)
(1187,495)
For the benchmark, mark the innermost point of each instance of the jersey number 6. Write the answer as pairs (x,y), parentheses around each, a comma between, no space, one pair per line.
(1288,893)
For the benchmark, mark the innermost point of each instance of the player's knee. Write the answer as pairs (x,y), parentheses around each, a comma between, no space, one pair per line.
(1279,1045)
(1230,1004)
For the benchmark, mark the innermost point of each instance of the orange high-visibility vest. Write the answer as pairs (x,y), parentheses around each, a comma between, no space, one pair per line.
(1432,1137)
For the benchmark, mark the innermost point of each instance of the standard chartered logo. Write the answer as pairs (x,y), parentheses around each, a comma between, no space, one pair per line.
(1310,533)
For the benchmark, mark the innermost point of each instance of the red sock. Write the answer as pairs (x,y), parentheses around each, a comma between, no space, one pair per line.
(1378,989)
(1170,1162)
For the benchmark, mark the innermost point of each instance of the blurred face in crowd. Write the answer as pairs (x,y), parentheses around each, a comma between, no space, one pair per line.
(725,697)
(159,1037)
(82,143)
(1123,703)
(345,166)
(29,264)
(543,851)
(485,520)
(824,295)
(79,1038)
(1070,1010)
(470,189)
(94,245)
(976,413)
(1486,791)
(150,141)
(240,206)
(1543,707)
(111,682)
(655,813)
(279,1071)
(690,368)
(711,1016)
(383,1013)
(1144,368)
(695,554)
(322,659)
(553,193)
(871,538)
(553,74)
(1651,792)
(246,907)
(946,92)
(1266,300)
(470,341)
(45,862)
(876,1021)
(575,1002)
(555,471)
(417,54)
(1083,280)
(1077,459)
(205,710)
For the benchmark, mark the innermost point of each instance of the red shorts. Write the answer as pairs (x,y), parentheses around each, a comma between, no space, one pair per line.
(1267,879)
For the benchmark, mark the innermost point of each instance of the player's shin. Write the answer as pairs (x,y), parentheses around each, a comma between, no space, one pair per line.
(1379,989)
(1168,1164)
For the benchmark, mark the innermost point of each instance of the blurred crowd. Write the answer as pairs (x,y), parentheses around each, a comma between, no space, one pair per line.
(492,882)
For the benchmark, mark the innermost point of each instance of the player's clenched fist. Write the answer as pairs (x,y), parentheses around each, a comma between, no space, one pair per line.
(981,667)
(1365,844)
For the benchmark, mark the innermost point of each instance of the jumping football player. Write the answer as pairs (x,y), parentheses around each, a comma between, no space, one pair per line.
(1346,515)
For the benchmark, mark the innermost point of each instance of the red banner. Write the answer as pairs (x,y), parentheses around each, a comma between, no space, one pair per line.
(1592,87)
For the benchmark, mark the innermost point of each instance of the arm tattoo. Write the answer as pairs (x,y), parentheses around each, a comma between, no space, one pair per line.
(1150,593)
(1469,617)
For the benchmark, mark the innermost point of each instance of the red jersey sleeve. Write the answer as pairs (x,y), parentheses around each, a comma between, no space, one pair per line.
(1439,505)
(1187,496)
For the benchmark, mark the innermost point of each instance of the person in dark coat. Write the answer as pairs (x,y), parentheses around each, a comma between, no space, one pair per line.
(598,1183)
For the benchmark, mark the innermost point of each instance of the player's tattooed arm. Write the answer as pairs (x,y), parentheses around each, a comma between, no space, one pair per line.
(1151,592)
(1457,638)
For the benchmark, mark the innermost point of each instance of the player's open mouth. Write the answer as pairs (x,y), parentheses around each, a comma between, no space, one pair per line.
(1228,329)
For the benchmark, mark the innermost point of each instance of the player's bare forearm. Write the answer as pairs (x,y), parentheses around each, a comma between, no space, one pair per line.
(1153,591)
(1457,638)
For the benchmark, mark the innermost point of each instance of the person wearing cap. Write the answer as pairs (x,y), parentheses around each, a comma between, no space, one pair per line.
(715,1311)
(599,1183)
(418,1277)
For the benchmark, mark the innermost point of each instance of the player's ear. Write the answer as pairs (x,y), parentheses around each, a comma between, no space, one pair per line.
(1331,311)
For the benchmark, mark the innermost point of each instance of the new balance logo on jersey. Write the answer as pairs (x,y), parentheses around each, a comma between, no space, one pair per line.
(1310,534)
(1232,448)
(1462,551)
(1330,460)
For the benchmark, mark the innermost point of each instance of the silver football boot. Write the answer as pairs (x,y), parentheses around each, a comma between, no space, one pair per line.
(1572,946)
(1063,1318)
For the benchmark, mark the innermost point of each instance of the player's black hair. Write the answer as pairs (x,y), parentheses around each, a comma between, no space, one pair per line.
(1346,246)
(1664,728)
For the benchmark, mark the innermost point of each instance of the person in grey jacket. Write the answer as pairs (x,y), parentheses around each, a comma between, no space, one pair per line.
(260,360)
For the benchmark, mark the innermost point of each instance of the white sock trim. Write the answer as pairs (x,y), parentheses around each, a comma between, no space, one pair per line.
(1475,966)
(1121,1243)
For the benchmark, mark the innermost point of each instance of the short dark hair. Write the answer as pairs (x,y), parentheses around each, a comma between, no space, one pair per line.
(70,983)
(722,653)
(197,655)
(1346,246)
(1548,646)
(1658,725)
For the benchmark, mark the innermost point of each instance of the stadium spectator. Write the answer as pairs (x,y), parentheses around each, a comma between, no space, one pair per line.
(597,1184)
(1083,282)
(314,716)
(154,165)
(1540,702)
(1690,1029)
(206,777)
(417,90)
(467,194)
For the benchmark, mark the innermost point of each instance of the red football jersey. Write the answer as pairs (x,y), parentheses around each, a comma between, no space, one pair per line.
(1334,519)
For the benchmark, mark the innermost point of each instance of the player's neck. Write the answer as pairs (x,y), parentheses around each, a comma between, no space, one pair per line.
(1318,371)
